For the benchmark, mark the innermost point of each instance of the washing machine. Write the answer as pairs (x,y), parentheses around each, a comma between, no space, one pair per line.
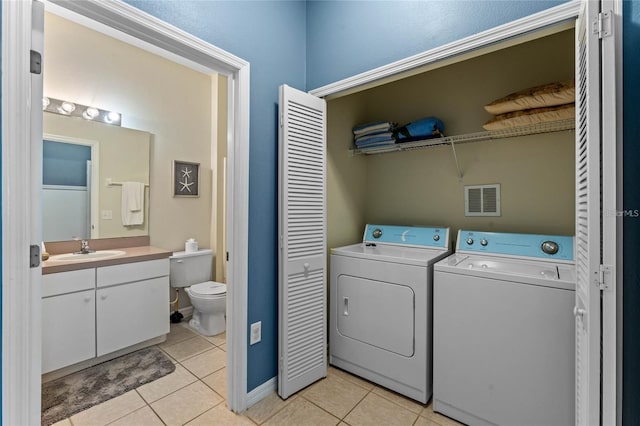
(381,306)
(504,330)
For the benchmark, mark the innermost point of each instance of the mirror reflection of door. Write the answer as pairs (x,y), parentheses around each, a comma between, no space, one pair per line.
(66,190)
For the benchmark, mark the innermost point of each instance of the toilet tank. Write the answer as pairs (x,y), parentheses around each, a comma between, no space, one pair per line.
(188,268)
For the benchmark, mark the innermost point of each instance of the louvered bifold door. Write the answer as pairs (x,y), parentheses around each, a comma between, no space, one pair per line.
(302,230)
(588,213)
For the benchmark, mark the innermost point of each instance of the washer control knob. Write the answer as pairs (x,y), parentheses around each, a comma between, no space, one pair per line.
(436,237)
(484,242)
(550,247)
(469,241)
(377,233)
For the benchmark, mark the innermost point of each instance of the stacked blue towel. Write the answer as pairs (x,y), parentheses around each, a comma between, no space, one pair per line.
(374,135)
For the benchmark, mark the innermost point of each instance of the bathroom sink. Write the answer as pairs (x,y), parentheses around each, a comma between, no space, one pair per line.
(83,257)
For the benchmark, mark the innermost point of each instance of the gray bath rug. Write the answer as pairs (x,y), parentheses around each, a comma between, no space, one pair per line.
(66,396)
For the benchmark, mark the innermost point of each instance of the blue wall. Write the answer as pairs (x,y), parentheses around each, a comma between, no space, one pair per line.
(271,36)
(345,38)
(631,225)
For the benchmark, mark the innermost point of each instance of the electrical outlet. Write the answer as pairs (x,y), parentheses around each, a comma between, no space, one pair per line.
(107,214)
(256,333)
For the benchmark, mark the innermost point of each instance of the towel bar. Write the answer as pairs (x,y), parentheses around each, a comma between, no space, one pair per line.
(111,182)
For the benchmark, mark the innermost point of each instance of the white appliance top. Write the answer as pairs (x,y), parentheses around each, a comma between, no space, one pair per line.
(411,245)
(524,258)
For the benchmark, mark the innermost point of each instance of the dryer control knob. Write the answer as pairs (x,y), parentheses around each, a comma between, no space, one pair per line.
(550,247)
(377,233)
(484,242)
(436,237)
(469,241)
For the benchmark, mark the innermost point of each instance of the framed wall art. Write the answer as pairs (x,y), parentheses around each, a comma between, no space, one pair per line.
(186,179)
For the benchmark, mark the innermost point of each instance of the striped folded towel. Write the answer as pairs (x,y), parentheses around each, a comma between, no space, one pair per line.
(373,136)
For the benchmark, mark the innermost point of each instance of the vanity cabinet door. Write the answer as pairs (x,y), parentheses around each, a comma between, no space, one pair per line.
(68,329)
(131,313)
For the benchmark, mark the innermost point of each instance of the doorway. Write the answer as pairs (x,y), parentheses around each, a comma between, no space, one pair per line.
(69,180)
(21,308)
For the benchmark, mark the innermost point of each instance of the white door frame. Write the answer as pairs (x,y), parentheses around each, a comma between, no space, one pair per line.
(21,321)
(21,293)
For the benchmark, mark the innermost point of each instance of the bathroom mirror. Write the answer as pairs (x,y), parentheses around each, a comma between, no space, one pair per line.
(80,158)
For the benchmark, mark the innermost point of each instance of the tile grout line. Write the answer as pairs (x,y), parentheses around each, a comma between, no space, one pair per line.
(326,411)
(359,402)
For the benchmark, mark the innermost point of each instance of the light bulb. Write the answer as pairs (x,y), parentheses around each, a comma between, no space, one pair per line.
(90,113)
(112,116)
(66,108)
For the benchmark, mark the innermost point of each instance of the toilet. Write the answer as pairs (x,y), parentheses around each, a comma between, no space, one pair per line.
(192,271)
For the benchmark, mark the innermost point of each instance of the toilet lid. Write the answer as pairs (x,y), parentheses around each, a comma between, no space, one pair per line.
(210,288)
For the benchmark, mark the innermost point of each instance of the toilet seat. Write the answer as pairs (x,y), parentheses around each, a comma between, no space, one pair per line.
(209,290)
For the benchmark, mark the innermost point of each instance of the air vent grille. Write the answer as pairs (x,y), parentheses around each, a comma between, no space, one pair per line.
(482,200)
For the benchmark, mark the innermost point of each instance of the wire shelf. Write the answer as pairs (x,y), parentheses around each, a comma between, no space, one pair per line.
(550,127)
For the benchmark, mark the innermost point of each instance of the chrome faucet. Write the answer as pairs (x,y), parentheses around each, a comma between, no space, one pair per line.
(84,247)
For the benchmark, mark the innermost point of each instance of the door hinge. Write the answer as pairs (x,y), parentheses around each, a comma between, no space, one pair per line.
(281,242)
(603,25)
(35,63)
(34,256)
(606,274)
(227,256)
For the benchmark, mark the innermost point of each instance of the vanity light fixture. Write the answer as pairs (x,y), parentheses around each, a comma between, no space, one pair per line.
(70,109)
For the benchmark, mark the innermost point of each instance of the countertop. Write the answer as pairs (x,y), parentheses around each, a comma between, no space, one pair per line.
(132,254)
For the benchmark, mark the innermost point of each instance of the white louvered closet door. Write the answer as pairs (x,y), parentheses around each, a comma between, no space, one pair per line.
(302,230)
(588,214)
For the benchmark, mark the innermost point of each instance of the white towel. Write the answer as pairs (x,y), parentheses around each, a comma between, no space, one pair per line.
(132,203)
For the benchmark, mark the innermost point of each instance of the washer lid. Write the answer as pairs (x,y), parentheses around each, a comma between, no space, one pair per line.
(210,288)
(542,273)
(392,253)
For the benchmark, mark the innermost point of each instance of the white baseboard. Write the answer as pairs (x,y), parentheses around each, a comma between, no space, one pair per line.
(262,391)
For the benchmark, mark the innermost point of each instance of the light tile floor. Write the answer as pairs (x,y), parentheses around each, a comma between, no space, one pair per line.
(195,394)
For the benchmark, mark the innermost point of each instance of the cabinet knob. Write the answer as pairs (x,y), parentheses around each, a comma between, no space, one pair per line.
(87,298)
(103,296)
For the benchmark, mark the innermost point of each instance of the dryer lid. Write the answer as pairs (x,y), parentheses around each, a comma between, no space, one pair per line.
(210,288)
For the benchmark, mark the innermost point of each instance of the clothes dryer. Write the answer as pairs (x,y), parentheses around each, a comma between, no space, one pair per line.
(381,306)
(504,330)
